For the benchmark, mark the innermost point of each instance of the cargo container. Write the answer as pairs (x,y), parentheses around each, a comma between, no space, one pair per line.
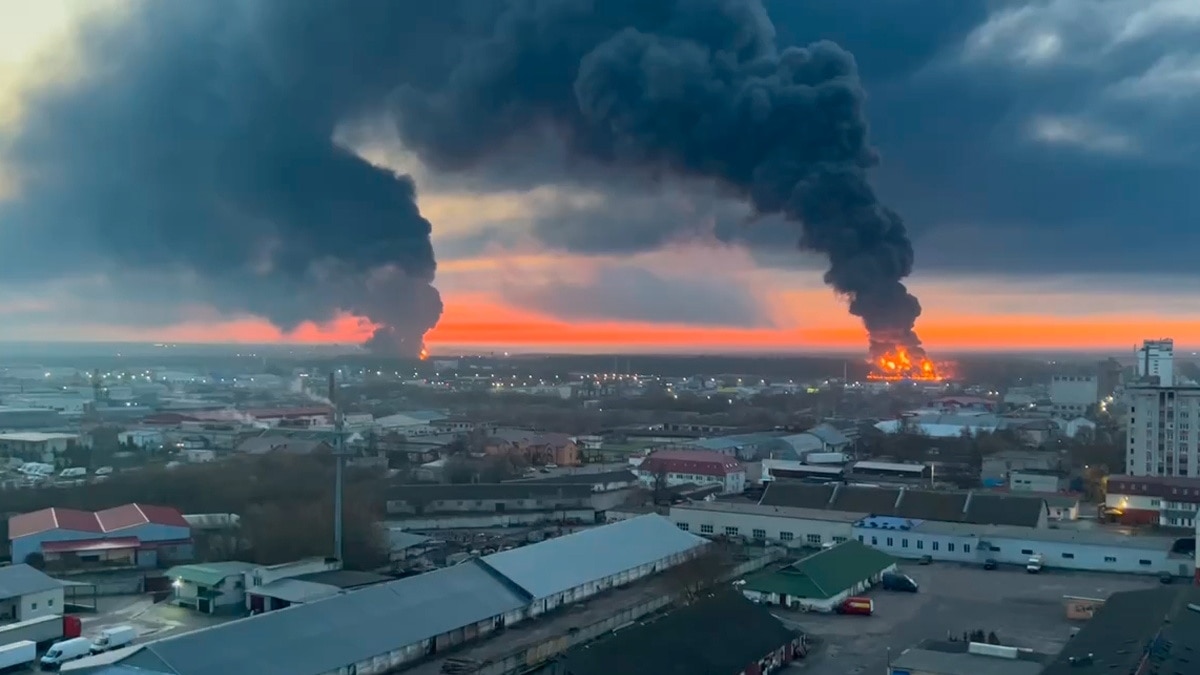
(43,630)
(857,605)
(17,655)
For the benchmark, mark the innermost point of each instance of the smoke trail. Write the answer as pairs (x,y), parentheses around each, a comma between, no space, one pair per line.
(692,88)
(197,145)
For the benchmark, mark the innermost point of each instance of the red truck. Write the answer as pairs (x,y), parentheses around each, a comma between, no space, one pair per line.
(857,605)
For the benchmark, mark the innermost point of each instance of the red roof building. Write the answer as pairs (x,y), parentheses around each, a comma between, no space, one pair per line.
(156,532)
(700,467)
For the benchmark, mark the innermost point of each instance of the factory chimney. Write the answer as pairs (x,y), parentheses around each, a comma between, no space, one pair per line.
(339,455)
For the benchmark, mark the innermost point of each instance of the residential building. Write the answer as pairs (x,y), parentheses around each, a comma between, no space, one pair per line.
(1161,437)
(700,467)
(537,448)
(27,594)
(1037,480)
(1091,550)
(719,634)
(134,534)
(1149,631)
(36,446)
(1168,501)
(1072,395)
(942,657)
(1156,362)
(210,588)
(821,581)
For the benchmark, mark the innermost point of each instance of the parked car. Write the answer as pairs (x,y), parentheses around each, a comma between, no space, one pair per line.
(925,560)
(1166,578)
(894,581)
(990,564)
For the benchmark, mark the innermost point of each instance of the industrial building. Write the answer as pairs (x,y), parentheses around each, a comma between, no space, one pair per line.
(378,628)
(1072,395)
(133,534)
(36,446)
(723,633)
(26,594)
(210,588)
(568,569)
(974,506)
(940,657)
(779,525)
(1150,631)
(480,505)
(1063,549)
(823,580)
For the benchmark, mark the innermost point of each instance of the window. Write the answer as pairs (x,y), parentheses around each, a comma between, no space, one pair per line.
(966,548)
(1144,562)
(759,534)
(731,531)
(995,548)
(860,538)
(683,526)
(1026,551)
(813,539)
(889,542)
(950,547)
(706,529)
(935,546)
(874,541)
(838,540)
(1109,558)
(1069,556)
(786,536)
(33,605)
(920,544)
(903,543)
(50,603)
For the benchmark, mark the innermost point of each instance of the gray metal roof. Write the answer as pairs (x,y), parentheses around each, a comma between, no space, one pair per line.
(21,579)
(950,663)
(323,636)
(557,565)
(296,590)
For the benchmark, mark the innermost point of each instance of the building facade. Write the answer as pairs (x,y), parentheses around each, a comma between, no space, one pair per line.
(1163,431)
(1072,395)
(1153,500)
(156,534)
(699,467)
(36,446)
(1156,362)
(1037,480)
(778,525)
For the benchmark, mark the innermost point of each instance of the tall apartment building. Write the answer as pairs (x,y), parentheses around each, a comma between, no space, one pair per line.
(1156,359)
(1163,431)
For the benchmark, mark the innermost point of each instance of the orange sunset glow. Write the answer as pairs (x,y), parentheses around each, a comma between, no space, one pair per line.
(474,322)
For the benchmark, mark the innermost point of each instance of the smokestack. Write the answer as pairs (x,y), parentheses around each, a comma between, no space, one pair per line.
(339,457)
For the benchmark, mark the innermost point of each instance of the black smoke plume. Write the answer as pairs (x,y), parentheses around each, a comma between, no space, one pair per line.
(198,143)
(691,88)
(196,149)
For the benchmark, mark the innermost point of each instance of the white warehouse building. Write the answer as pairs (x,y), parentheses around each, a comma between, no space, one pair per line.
(568,569)
(1008,545)
(782,525)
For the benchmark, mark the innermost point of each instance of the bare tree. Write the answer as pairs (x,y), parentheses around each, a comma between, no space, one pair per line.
(660,486)
(693,577)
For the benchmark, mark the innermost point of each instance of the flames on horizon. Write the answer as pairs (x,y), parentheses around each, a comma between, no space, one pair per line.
(898,364)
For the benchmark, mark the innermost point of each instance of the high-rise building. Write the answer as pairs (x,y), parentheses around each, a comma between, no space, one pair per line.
(1163,431)
(1156,362)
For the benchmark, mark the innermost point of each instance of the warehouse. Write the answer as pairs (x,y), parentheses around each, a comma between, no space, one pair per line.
(368,631)
(791,527)
(26,594)
(1064,549)
(823,580)
(145,534)
(720,634)
(568,569)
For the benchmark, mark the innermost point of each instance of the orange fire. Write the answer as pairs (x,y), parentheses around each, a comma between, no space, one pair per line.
(424,354)
(898,364)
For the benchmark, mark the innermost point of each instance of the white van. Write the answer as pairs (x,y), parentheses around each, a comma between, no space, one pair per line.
(114,637)
(73,472)
(67,650)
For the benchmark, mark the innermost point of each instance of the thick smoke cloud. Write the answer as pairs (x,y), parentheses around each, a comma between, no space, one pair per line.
(197,145)
(693,88)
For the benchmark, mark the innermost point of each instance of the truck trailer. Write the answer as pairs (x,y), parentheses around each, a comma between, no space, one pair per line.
(17,655)
(42,631)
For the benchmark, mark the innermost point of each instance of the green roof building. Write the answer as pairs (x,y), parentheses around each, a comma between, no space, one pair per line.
(823,580)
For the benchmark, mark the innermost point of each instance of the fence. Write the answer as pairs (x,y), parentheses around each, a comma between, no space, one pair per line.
(526,658)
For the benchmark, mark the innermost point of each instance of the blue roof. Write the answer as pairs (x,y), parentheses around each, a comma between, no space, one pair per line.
(560,564)
(329,634)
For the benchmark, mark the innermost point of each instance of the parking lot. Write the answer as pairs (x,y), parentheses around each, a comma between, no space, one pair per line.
(1024,610)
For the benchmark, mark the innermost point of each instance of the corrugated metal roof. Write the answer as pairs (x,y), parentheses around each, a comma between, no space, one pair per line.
(328,634)
(564,563)
(21,579)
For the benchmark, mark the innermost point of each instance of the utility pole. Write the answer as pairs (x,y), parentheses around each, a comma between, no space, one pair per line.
(339,456)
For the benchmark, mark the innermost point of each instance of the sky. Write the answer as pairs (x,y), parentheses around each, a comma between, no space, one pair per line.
(1043,154)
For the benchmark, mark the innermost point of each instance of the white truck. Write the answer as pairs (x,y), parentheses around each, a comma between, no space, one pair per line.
(113,637)
(17,655)
(1037,562)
